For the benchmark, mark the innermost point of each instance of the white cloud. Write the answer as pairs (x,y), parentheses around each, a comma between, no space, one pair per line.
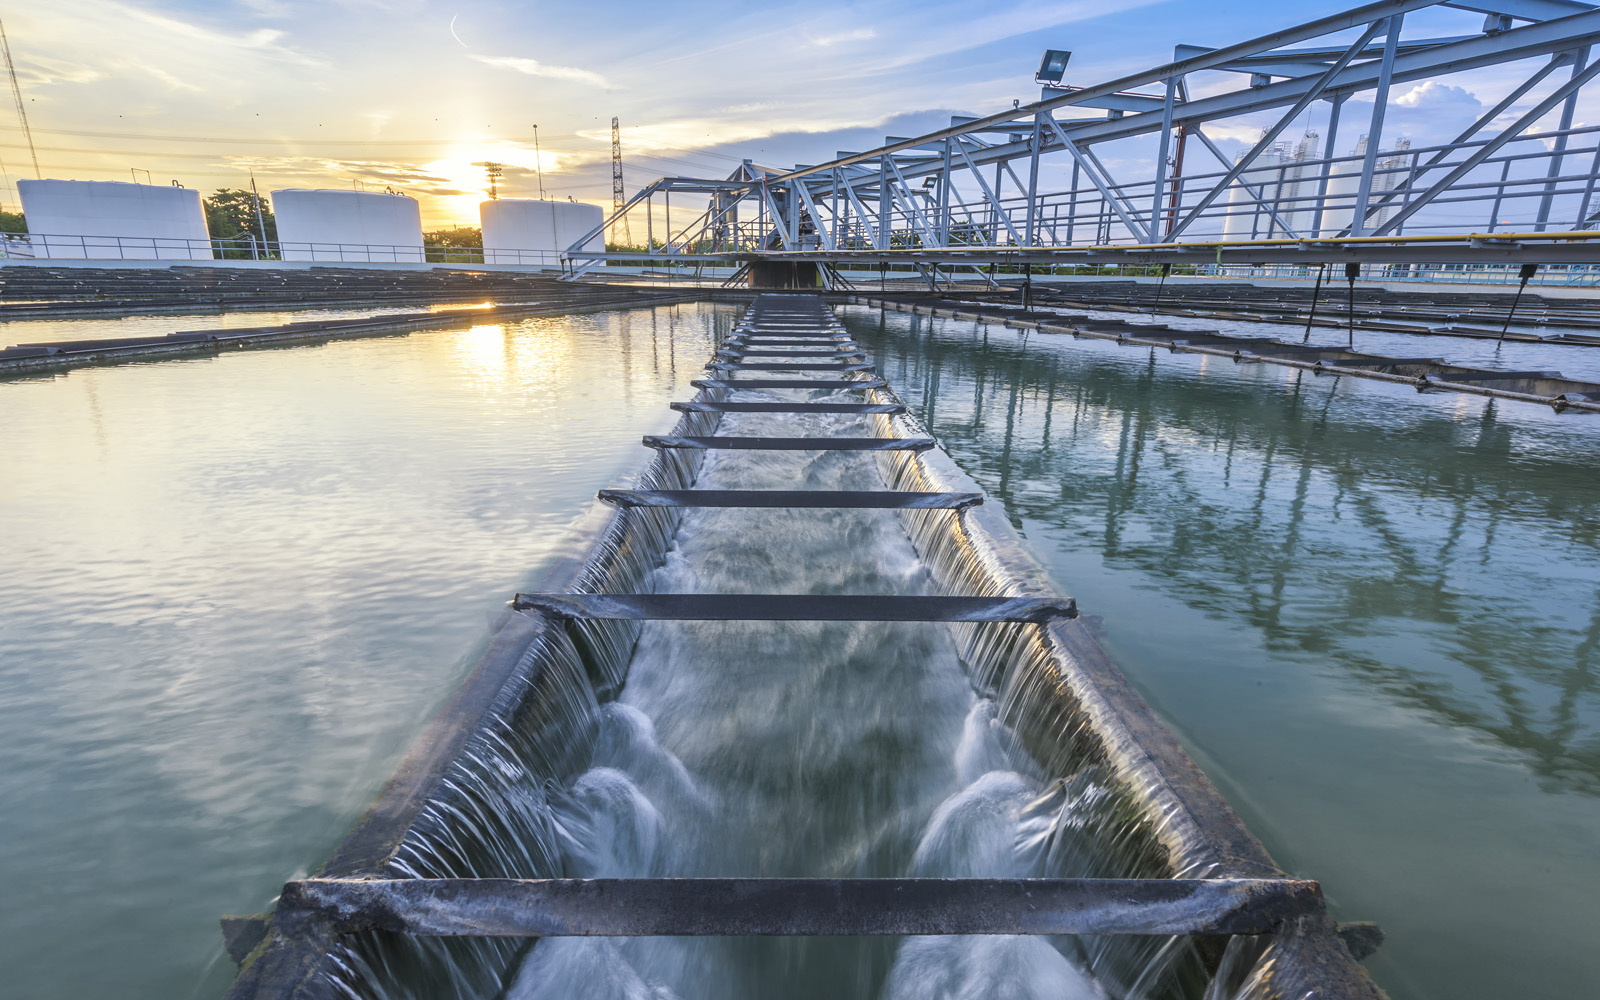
(534,67)
(43,71)
(1432,93)
(858,35)
(174,82)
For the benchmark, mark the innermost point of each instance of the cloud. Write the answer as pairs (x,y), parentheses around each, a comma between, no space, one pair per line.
(43,71)
(399,175)
(172,81)
(534,67)
(858,35)
(1433,94)
(105,40)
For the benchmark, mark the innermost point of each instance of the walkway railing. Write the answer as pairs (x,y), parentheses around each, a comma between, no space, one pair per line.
(49,246)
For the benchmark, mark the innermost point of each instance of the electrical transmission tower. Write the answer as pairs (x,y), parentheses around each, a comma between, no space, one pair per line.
(616,182)
(494,172)
(22,112)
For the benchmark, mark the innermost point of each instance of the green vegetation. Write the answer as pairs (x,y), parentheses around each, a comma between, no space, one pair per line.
(13,222)
(231,215)
(461,245)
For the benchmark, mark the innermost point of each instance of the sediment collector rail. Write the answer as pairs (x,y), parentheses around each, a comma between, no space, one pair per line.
(1549,388)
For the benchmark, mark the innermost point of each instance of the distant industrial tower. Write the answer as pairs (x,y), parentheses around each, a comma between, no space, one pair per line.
(22,111)
(493,171)
(616,182)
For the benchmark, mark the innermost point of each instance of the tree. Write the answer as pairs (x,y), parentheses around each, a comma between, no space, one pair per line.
(231,213)
(12,222)
(461,236)
(461,245)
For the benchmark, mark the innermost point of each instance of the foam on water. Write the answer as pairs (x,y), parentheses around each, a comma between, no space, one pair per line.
(797,749)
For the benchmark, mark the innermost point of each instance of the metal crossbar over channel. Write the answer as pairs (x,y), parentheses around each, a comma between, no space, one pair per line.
(796,607)
(716,907)
(355,892)
(786,383)
(789,444)
(693,407)
(891,499)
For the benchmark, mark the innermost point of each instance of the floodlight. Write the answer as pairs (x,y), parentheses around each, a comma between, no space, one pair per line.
(1053,67)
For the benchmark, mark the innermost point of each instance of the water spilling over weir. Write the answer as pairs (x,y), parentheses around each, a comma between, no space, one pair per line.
(920,705)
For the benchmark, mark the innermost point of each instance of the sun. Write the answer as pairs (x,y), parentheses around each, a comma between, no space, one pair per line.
(461,169)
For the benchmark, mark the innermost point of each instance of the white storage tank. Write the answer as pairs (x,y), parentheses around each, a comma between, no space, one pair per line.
(358,226)
(114,219)
(530,231)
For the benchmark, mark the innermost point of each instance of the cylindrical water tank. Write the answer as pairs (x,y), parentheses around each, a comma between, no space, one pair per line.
(529,231)
(1246,220)
(114,219)
(334,226)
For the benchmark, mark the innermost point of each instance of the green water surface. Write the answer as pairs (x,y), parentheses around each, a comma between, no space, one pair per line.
(1373,616)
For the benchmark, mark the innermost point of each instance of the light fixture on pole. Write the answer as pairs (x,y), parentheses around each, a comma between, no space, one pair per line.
(1053,67)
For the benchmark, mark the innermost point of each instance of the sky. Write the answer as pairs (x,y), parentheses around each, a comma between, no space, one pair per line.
(412,94)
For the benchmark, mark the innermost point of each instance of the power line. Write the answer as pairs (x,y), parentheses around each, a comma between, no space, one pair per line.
(258,140)
(16,92)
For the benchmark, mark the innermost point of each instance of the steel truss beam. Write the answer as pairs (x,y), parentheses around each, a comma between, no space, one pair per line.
(930,195)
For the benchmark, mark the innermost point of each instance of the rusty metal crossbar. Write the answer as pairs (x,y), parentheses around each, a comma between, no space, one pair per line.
(789,383)
(840,341)
(756,352)
(762,366)
(1377,362)
(1488,376)
(881,499)
(775,407)
(728,907)
(821,347)
(788,444)
(797,607)
(751,343)
(808,334)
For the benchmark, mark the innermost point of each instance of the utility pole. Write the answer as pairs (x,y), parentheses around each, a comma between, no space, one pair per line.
(261,222)
(16,92)
(616,182)
(538,168)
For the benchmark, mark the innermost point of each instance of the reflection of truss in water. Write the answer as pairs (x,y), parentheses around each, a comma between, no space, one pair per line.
(1246,558)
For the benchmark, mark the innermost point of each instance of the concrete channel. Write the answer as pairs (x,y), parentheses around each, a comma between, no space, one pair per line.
(1192,867)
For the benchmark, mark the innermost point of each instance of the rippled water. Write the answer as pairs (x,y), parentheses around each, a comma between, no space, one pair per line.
(233,587)
(45,331)
(1372,615)
(809,749)
(1570,360)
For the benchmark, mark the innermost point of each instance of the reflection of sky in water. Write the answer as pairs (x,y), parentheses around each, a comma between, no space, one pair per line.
(233,588)
(44,331)
(1572,361)
(1373,615)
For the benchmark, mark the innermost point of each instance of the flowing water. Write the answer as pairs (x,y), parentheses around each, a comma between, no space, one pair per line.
(1373,616)
(810,749)
(1369,613)
(233,588)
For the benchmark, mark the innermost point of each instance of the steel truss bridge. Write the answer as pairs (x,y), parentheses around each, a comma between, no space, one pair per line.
(1034,183)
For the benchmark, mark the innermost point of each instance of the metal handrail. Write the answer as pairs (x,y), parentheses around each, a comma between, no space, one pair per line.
(77,246)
